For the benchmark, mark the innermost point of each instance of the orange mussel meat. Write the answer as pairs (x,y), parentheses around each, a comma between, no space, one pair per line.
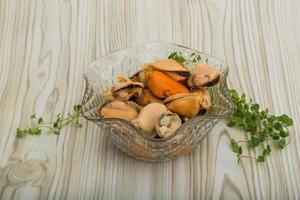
(163,86)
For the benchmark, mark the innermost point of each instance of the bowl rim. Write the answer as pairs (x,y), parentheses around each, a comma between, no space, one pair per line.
(144,136)
(147,43)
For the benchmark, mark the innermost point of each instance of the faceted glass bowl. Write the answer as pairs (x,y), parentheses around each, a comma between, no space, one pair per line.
(101,76)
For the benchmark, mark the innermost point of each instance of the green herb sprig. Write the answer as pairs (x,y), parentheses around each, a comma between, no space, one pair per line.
(52,127)
(178,57)
(261,125)
(247,115)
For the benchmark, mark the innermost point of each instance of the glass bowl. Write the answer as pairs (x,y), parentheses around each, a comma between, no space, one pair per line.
(101,75)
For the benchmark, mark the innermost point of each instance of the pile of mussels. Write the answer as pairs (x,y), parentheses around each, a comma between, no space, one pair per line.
(161,96)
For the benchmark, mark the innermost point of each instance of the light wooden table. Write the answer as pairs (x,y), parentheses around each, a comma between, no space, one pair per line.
(44,48)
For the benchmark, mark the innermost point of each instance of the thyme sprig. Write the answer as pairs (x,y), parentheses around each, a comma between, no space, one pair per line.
(178,57)
(53,127)
(261,126)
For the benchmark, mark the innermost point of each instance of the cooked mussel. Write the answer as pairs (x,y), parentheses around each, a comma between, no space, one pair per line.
(120,109)
(146,98)
(187,105)
(171,68)
(161,85)
(167,124)
(203,75)
(125,89)
(146,120)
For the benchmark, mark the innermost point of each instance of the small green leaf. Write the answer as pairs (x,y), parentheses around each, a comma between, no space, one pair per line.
(284,134)
(281,143)
(275,137)
(270,119)
(234,94)
(267,151)
(263,115)
(234,146)
(243,96)
(262,135)
(58,119)
(267,110)
(270,130)
(38,132)
(40,120)
(252,128)
(231,124)
(57,123)
(240,150)
(286,120)
(240,122)
(260,158)
(255,107)
(278,126)
(34,131)
(178,57)
(33,116)
(180,60)
(171,56)
(254,142)
(77,107)
(20,133)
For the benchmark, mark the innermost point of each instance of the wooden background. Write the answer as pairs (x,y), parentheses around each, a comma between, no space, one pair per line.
(44,48)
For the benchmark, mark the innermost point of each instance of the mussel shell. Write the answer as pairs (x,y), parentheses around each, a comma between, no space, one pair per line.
(126,110)
(146,98)
(169,65)
(167,124)
(163,86)
(214,82)
(129,84)
(203,75)
(188,105)
(146,120)
(185,106)
(178,96)
(177,73)
(125,94)
(135,75)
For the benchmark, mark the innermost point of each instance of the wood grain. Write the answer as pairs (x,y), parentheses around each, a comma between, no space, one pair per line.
(44,47)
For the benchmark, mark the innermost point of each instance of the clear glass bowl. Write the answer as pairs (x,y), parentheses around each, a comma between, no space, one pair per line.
(101,75)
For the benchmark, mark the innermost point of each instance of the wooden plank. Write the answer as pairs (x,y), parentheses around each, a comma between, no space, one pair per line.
(44,47)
